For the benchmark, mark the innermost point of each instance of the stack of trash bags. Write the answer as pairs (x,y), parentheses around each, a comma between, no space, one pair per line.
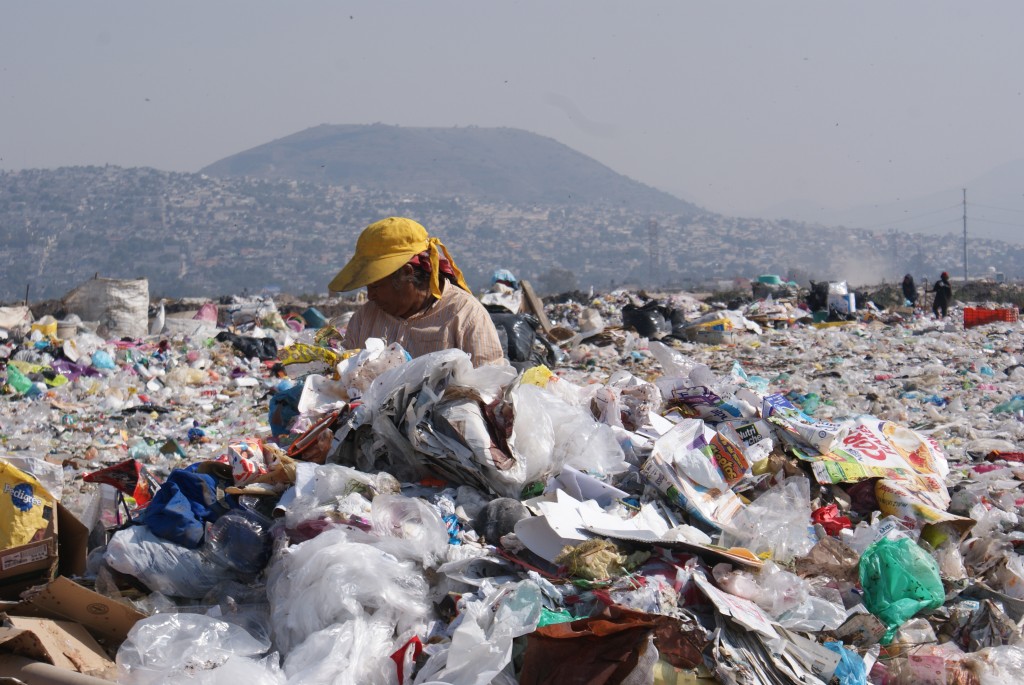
(396,520)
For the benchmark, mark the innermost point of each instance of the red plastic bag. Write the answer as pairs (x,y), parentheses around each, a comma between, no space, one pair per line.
(829,518)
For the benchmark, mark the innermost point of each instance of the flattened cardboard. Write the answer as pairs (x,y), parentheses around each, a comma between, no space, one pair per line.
(64,599)
(536,306)
(24,670)
(64,644)
(61,551)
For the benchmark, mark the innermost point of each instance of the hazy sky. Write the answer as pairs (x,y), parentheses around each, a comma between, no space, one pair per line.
(737,106)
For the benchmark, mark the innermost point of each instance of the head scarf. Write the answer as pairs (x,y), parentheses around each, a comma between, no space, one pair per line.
(386,246)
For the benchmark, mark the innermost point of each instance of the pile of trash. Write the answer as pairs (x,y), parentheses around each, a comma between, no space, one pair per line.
(238,496)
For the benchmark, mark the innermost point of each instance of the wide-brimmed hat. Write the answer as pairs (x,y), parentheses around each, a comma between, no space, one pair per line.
(384,247)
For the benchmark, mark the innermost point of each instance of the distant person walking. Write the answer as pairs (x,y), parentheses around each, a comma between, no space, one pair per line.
(943,294)
(910,290)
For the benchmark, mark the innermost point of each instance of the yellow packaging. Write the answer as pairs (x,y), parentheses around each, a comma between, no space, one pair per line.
(26,508)
(48,329)
(538,375)
(301,353)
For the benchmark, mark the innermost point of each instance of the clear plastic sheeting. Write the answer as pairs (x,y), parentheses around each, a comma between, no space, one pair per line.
(481,645)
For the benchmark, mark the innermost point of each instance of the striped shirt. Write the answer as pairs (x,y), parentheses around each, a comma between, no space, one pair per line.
(457,320)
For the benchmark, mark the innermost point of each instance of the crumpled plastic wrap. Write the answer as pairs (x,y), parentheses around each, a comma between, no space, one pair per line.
(331,579)
(355,651)
(775,524)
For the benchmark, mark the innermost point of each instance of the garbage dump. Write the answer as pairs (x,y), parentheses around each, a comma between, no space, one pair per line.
(683,493)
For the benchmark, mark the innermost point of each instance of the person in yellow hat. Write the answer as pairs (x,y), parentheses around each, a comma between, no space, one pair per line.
(417,296)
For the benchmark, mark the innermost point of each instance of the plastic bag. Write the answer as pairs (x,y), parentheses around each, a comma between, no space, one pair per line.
(674,363)
(331,579)
(168,648)
(789,598)
(481,645)
(850,670)
(331,485)
(1011,576)
(997,665)
(899,580)
(830,558)
(162,565)
(517,333)
(650,320)
(775,523)
(356,651)
(412,523)
(240,540)
(549,433)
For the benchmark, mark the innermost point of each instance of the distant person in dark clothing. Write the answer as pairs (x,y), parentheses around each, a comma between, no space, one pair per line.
(943,294)
(910,290)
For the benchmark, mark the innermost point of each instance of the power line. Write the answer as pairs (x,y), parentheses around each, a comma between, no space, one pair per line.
(1002,209)
(993,221)
(941,223)
(916,216)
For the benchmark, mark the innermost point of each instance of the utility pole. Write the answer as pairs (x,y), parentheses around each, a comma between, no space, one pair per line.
(653,235)
(965,236)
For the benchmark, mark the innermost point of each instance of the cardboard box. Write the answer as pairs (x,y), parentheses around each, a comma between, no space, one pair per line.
(108,620)
(63,644)
(707,336)
(61,550)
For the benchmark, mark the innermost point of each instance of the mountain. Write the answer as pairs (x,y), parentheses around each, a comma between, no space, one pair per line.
(995,209)
(502,165)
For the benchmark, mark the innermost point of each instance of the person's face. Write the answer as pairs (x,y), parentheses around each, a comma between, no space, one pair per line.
(396,294)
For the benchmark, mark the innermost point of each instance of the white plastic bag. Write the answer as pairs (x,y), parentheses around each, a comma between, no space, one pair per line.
(331,579)
(356,651)
(330,486)
(413,524)
(165,649)
(162,565)
(481,645)
(997,665)
(549,433)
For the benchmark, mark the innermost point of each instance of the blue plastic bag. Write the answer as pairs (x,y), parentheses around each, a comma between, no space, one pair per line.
(851,670)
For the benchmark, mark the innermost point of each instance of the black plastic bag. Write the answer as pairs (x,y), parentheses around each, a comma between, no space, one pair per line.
(261,348)
(650,320)
(817,299)
(518,333)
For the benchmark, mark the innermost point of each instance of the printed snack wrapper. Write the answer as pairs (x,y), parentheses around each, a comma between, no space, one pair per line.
(712,506)
(246,458)
(26,508)
(921,509)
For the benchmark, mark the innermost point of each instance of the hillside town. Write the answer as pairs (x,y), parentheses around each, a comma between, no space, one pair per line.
(193,235)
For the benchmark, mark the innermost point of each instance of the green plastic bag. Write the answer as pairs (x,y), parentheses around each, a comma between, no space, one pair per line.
(550,616)
(17,380)
(899,579)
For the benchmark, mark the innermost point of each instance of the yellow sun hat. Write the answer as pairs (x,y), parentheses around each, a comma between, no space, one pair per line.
(384,247)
